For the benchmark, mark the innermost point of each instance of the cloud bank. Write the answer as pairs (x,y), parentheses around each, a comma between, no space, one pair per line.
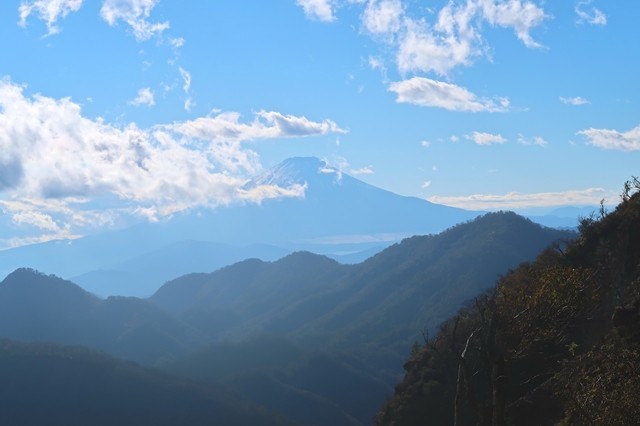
(54,160)
(517,200)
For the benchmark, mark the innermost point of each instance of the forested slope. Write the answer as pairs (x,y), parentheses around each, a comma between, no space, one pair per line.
(555,342)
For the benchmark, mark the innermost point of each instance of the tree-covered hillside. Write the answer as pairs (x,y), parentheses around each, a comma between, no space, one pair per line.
(380,306)
(45,384)
(555,342)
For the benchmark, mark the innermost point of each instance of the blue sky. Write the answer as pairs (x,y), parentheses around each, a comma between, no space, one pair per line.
(116,110)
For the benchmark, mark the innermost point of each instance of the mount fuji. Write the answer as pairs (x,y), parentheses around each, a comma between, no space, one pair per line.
(338,215)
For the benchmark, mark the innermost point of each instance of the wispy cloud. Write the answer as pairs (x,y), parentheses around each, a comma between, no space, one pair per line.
(177,42)
(49,11)
(135,13)
(613,139)
(383,17)
(321,10)
(589,14)
(367,170)
(186,86)
(536,140)
(145,97)
(485,139)
(431,93)
(186,78)
(517,200)
(50,151)
(576,101)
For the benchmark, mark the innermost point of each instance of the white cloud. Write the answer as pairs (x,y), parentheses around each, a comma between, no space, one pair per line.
(145,97)
(383,17)
(482,138)
(321,10)
(431,93)
(522,16)
(425,48)
(186,78)
(517,200)
(536,140)
(49,11)
(134,13)
(426,184)
(425,143)
(53,159)
(455,38)
(589,14)
(186,86)
(189,104)
(574,101)
(367,170)
(177,42)
(613,139)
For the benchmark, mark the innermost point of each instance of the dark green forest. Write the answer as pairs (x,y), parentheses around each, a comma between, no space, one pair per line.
(556,341)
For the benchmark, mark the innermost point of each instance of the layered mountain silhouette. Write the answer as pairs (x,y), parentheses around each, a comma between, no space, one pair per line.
(37,307)
(384,302)
(337,215)
(335,326)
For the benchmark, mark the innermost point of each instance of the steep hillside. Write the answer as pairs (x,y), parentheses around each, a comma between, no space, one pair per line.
(556,341)
(44,384)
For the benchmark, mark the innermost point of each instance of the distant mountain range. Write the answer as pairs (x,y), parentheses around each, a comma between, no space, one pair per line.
(339,331)
(339,216)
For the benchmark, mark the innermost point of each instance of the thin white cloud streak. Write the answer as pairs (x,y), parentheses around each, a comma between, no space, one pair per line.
(320,10)
(485,139)
(367,170)
(589,14)
(431,93)
(186,79)
(145,97)
(186,86)
(134,13)
(613,139)
(49,11)
(517,200)
(576,101)
(50,151)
